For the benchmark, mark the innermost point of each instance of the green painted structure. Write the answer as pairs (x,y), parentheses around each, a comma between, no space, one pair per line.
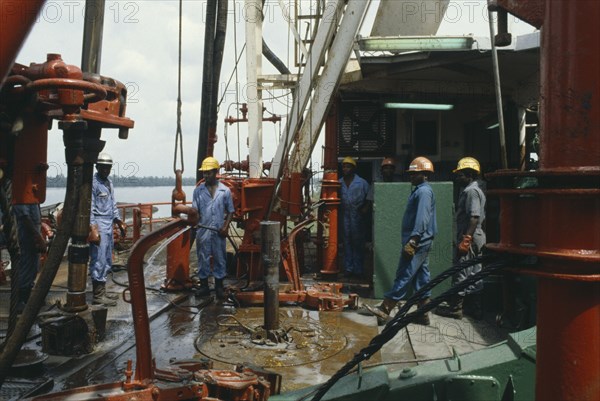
(502,372)
(388,208)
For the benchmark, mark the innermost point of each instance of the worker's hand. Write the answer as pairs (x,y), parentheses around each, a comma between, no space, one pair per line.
(223,231)
(122,227)
(410,249)
(465,245)
(94,235)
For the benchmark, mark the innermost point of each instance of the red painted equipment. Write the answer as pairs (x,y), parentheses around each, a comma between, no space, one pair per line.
(178,250)
(558,221)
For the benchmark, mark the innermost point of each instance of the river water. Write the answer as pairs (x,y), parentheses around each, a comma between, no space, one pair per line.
(131,195)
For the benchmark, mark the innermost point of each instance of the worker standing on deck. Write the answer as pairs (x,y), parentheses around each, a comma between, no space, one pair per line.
(103,215)
(419,227)
(214,203)
(388,169)
(354,192)
(31,244)
(470,237)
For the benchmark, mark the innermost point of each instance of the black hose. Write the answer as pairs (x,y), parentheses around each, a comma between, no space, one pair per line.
(47,274)
(209,36)
(9,222)
(402,319)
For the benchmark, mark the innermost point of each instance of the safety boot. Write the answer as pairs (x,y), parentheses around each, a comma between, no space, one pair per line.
(219,288)
(203,290)
(424,318)
(382,311)
(100,298)
(473,305)
(453,309)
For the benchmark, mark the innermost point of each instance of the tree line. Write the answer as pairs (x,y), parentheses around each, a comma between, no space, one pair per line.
(60,181)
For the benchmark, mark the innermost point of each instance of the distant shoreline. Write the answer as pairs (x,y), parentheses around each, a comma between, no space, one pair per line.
(61,181)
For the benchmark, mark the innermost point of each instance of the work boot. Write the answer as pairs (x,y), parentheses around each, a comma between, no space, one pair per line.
(100,298)
(382,311)
(23,298)
(424,318)
(204,290)
(473,306)
(453,309)
(219,288)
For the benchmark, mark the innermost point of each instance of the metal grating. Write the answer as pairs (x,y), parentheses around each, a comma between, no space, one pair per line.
(366,129)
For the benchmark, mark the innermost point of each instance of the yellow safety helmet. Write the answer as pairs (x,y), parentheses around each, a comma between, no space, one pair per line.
(210,163)
(420,164)
(349,160)
(388,161)
(467,162)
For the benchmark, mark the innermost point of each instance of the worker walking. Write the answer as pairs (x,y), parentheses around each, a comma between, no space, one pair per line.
(470,237)
(419,227)
(354,190)
(214,203)
(103,215)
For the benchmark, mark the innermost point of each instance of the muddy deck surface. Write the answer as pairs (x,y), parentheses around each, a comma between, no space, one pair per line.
(183,327)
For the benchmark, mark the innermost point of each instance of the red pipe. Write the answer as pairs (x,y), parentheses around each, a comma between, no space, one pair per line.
(144,370)
(558,221)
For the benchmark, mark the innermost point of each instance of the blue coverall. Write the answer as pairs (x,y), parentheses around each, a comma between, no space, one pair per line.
(103,214)
(419,220)
(353,199)
(29,261)
(208,242)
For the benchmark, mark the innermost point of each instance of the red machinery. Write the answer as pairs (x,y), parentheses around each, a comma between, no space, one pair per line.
(558,222)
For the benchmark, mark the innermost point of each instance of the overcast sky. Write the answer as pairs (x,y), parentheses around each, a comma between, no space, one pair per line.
(140,49)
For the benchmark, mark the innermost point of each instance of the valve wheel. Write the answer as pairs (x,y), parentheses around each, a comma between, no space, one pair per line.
(92,92)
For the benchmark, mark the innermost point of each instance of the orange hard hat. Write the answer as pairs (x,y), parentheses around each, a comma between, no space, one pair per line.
(388,161)
(420,164)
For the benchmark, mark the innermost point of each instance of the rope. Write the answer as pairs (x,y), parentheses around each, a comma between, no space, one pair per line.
(178,134)
(402,319)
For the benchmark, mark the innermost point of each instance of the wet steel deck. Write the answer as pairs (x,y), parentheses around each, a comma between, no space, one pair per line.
(183,327)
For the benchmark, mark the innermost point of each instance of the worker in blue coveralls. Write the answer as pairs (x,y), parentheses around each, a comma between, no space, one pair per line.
(419,227)
(354,190)
(31,244)
(103,215)
(214,203)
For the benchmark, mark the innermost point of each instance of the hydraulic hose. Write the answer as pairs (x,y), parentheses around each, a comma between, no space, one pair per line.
(402,319)
(14,343)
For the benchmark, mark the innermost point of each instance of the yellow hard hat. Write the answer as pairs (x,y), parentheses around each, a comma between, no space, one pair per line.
(420,164)
(349,160)
(388,161)
(467,162)
(210,163)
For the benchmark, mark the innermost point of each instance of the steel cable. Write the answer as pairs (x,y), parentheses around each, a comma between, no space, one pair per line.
(402,319)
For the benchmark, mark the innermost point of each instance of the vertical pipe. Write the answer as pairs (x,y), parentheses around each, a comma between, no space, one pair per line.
(253,71)
(93,28)
(270,255)
(501,132)
(569,76)
(209,36)
(568,322)
(522,116)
